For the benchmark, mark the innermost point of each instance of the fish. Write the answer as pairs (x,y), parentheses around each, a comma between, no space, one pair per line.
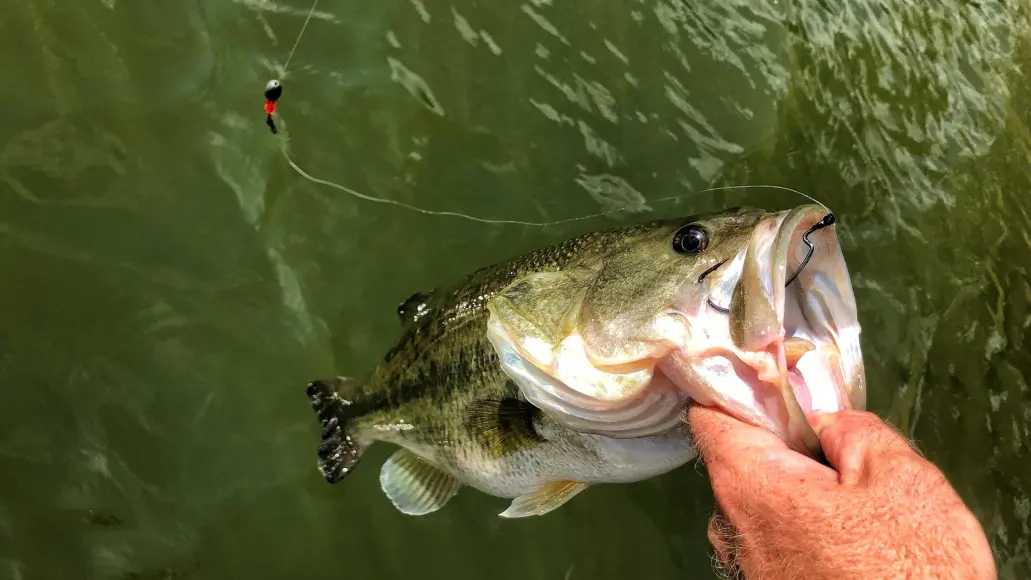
(573,365)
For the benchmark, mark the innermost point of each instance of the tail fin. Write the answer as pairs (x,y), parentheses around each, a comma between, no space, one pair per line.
(339,452)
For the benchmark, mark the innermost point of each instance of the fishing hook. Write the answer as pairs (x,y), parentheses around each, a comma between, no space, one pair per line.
(827,221)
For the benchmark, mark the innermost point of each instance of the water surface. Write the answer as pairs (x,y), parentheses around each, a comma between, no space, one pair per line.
(172,283)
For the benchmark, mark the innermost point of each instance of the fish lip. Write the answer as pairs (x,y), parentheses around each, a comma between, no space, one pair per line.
(827,277)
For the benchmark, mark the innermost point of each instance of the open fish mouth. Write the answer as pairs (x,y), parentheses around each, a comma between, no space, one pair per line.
(766,328)
(783,330)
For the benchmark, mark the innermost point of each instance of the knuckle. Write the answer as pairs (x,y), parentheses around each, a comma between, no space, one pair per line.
(843,433)
(914,476)
(851,428)
(857,419)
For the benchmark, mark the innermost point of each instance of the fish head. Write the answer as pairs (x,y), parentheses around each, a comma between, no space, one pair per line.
(747,310)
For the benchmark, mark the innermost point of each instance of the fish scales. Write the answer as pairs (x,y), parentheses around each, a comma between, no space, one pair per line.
(471,393)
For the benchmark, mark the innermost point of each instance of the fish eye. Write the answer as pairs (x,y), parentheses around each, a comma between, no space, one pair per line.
(690,239)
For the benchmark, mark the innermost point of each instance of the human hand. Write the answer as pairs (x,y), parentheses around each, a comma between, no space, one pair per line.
(883,511)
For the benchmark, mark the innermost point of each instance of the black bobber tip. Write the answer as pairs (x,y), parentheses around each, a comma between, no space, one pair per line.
(273,90)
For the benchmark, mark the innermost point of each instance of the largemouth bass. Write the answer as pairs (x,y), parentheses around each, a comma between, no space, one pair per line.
(572,366)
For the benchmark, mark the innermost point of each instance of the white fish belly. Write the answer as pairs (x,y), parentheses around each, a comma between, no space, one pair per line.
(585,458)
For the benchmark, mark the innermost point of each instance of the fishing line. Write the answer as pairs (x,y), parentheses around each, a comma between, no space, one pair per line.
(274,90)
(299,35)
(827,221)
(350,191)
(410,207)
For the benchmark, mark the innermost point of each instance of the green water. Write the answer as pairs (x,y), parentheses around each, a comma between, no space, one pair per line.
(171,283)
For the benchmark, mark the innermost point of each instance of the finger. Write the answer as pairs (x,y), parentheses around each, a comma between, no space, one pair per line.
(744,460)
(717,434)
(856,443)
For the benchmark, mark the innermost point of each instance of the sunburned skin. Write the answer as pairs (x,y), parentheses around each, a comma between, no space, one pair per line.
(880,511)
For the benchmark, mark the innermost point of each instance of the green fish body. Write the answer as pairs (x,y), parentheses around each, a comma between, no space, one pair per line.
(459,411)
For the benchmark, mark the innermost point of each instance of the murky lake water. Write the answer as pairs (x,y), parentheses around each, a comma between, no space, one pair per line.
(172,284)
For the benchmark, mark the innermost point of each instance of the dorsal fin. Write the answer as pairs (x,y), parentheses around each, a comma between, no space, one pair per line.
(413,308)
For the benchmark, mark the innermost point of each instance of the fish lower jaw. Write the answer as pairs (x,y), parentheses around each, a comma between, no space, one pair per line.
(747,384)
(814,386)
(816,381)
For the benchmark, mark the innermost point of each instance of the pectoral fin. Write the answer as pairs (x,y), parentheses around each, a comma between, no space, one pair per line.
(415,486)
(544,499)
(503,426)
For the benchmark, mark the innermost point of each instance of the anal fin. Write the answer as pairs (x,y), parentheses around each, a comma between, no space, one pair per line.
(544,499)
(415,486)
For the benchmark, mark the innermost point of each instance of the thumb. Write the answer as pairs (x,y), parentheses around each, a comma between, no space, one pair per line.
(856,442)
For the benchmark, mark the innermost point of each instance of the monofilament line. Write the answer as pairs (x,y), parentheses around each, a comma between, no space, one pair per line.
(350,191)
(409,207)
(780,187)
(299,35)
